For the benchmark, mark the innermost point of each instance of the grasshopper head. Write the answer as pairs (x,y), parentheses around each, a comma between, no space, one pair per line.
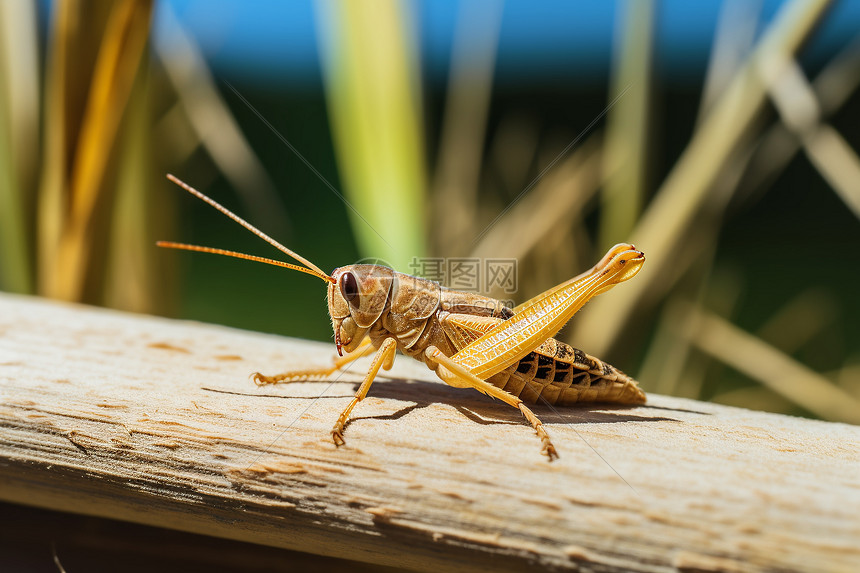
(356,299)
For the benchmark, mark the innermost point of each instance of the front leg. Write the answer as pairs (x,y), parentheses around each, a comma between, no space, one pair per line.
(364,348)
(385,359)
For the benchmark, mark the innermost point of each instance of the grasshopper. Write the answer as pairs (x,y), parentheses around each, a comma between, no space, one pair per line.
(468,340)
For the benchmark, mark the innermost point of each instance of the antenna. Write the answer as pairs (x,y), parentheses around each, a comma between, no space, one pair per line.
(309,267)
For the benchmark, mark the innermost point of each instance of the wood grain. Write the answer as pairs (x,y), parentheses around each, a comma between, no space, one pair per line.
(155,421)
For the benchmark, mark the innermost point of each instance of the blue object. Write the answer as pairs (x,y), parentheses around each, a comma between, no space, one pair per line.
(276,41)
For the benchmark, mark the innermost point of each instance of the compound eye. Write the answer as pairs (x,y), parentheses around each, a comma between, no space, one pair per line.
(349,288)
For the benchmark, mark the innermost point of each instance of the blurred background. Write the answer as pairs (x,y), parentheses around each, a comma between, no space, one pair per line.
(721,137)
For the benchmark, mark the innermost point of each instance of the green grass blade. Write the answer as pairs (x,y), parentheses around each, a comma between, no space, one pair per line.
(18,143)
(375,113)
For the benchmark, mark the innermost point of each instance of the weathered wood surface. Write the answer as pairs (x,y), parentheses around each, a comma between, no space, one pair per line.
(156,421)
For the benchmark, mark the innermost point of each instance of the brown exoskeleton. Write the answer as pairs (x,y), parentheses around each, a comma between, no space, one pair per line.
(468,340)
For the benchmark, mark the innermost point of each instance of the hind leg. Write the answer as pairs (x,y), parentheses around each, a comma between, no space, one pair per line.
(456,375)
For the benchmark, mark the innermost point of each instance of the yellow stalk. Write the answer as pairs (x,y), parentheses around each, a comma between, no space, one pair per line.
(116,65)
(52,193)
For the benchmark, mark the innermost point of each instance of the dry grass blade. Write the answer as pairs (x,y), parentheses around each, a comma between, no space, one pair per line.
(512,151)
(838,80)
(669,351)
(837,162)
(212,122)
(799,321)
(736,29)
(661,228)
(800,112)
(116,66)
(132,281)
(626,157)
(671,366)
(833,86)
(473,56)
(779,372)
(178,138)
(755,398)
(557,200)
(848,377)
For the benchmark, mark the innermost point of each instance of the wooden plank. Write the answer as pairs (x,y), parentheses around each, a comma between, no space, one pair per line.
(155,421)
